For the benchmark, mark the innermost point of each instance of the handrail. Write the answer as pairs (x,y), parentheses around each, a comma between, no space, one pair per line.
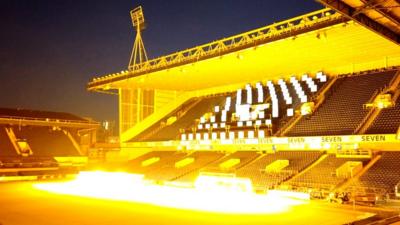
(398,133)
(224,45)
(363,125)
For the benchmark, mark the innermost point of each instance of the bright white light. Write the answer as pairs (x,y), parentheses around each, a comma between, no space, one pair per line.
(228,103)
(239,97)
(231,135)
(261,134)
(241,134)
(321,76)
(250,134)
(223,116)
(214,136)
(222,135)
(212,119)
(260,93)
(290,112)
(249,94)
(221,195)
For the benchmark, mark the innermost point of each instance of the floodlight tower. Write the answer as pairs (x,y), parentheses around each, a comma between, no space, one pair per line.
(139,52)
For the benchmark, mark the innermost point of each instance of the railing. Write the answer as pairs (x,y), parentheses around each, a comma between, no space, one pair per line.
(369,117)
(224,46)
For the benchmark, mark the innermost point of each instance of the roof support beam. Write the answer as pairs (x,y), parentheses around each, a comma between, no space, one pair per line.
(375,5)
(55,123)
(364,20)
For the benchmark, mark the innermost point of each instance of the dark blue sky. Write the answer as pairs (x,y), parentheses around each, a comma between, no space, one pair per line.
(50,49)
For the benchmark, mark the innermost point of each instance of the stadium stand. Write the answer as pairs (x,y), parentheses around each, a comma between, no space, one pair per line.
(232,162)
(201,159)
(263,178)
(387,122)
(323,175)
(252,109)
(41,142)
(46,141)
(257,110)
(190,163)
(153,160)
(165,131)
(338,117)
(384,174)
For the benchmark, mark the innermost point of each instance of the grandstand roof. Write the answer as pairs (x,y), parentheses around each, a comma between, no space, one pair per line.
(43,118)
(331,43)
(27,113)
(380,16)
(385,12)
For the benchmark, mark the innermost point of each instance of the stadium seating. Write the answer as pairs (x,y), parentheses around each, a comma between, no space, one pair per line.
(242,157)
(387,122)
(257,110)
(153,161)
(170,171)
(46,141)
(323,175)
(384,174)
(343,109)
(263,179)
(172,131)
(33,142)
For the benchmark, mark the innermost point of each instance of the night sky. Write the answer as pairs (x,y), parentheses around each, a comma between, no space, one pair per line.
(50,49)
